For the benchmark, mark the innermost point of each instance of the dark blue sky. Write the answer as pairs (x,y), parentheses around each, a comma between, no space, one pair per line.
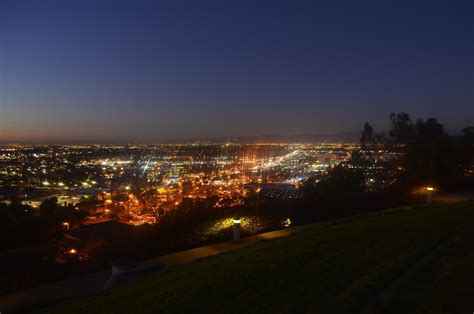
(156,70)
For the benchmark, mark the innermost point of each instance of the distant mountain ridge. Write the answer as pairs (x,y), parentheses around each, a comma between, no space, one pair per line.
(264,138)
(294,138)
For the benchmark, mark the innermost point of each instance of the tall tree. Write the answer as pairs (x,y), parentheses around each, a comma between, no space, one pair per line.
(468,135)
(431,155)
(367,136)
(467,138)
(402,129)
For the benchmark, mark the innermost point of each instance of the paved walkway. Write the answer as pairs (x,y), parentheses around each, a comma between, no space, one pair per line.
(94,282)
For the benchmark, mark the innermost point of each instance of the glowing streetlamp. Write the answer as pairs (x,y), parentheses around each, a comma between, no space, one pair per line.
(429,194)
(73,253)
(66,225)
(236,229)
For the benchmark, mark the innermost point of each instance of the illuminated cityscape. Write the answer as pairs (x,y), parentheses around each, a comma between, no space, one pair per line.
(137,184)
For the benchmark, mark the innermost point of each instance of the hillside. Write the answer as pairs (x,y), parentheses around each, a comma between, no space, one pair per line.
(419,260)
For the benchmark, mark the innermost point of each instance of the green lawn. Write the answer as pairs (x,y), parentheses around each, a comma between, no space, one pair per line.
(335,268)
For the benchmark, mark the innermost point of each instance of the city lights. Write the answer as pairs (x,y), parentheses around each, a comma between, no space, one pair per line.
(149,180)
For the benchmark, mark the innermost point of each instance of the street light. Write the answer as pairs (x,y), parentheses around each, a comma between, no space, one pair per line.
(236,229)
(429,194)
(66,225)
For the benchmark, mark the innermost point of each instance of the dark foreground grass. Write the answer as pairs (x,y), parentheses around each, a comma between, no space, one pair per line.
(335,268)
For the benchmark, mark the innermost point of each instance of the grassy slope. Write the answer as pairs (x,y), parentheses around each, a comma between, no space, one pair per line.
(337,268)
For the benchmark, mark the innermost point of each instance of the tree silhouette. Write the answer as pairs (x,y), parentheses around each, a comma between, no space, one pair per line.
(340,180)
(367,136)
(49,208)
(431,155)
(402,129)
(468,135)
(467,139)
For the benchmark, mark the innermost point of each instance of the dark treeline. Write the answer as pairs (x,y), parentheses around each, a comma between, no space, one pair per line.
(22,225)
(427,156)
(430,155)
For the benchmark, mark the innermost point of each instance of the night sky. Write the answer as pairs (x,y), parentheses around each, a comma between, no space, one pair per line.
(154,71)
